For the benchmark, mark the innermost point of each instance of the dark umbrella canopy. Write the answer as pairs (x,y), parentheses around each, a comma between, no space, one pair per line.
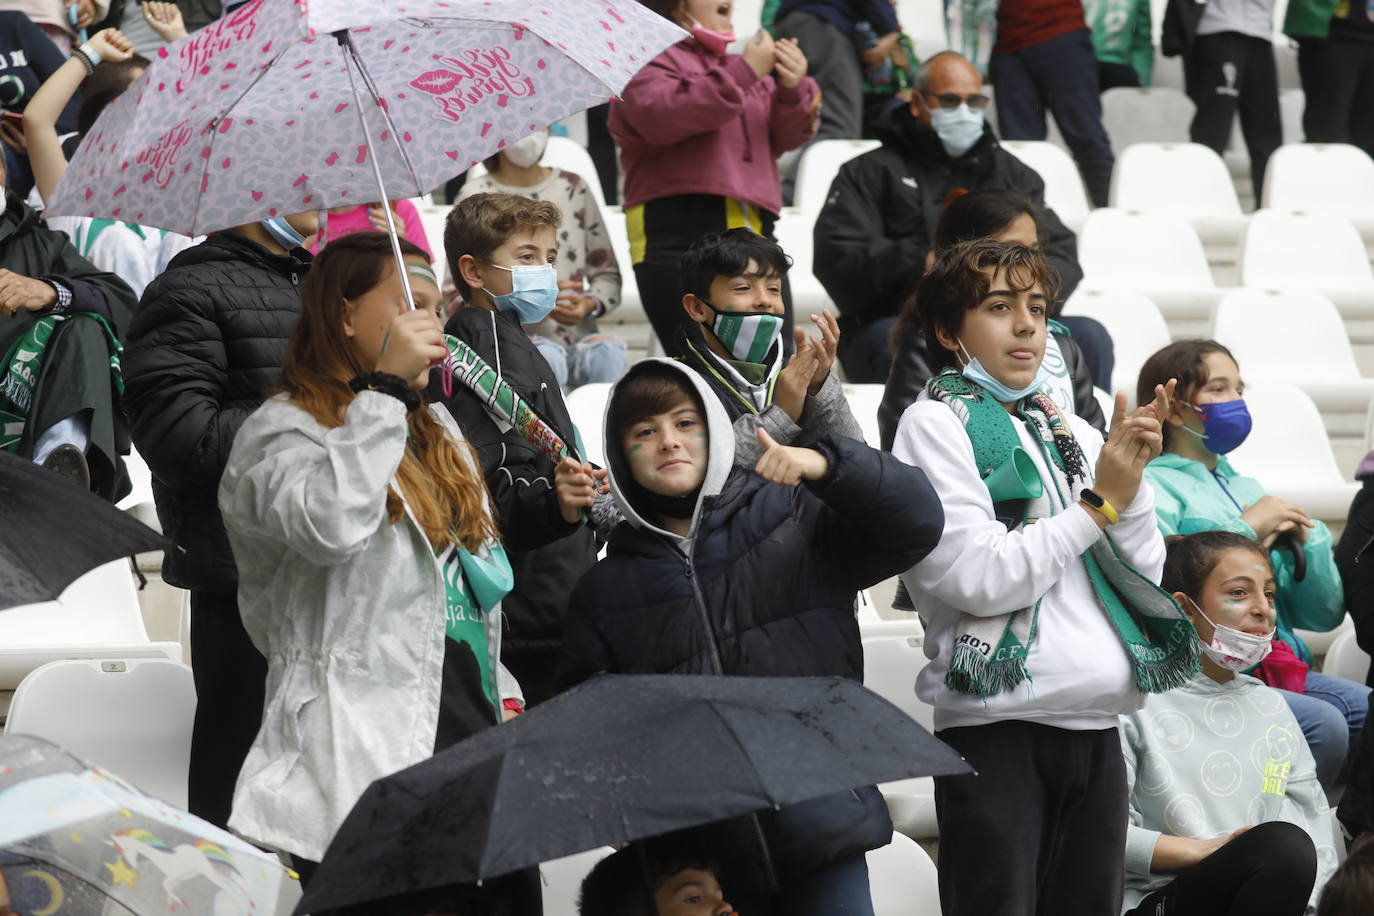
(619,758)
(56,531)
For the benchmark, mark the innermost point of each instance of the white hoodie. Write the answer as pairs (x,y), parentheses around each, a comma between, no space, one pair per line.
(1080,675)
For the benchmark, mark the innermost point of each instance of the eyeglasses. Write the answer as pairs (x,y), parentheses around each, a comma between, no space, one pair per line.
(954,100)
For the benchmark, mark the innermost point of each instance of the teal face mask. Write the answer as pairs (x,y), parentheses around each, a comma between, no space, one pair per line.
(749,336)
(973,371)
(534,292)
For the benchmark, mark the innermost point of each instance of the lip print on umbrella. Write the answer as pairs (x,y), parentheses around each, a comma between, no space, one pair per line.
(460,83)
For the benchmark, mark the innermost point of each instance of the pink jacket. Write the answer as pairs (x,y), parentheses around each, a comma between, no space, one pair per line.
(694,123)
(357,220)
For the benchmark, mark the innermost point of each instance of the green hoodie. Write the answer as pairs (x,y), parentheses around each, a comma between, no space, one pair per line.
(1309,18)
(1190,498)
(1121,33)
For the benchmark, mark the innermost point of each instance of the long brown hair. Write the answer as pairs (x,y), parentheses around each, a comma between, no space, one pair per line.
(1183,360)
(438,476)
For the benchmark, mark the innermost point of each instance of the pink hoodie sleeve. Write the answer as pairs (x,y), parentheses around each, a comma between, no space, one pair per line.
(415,227)
(790,123)
(664,105)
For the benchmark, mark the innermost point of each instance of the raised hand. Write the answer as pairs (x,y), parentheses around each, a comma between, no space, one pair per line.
(788,465)
(111,45)
(164,19)
(789,62)
(758,53)
(825,348)
(795,379)
(413,343)
(1132,443)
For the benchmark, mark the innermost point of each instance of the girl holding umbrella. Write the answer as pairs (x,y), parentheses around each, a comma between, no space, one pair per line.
(370,575)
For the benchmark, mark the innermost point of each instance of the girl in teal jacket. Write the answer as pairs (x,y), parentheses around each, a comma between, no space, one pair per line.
(1196,489)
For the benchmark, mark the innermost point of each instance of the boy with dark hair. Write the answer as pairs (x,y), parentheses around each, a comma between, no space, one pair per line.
(501,249)
(654,877)
(720,570)
(733,294)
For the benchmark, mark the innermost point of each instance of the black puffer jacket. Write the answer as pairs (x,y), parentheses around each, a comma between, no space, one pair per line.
(547,554)
(1355,560)
(763,586)
(911,370)
(205,349)
(872,235)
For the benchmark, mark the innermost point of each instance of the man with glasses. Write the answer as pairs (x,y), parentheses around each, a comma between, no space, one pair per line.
(874,232)
(1044,59)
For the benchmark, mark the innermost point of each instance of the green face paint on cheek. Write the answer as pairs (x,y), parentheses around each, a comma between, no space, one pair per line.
(635,448)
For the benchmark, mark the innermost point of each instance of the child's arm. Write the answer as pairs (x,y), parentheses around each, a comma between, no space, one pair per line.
(48,103)
(666,106)
(826,409)
(793,116)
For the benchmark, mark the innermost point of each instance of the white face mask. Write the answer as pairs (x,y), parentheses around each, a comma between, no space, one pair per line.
(526,151)
(1233,649)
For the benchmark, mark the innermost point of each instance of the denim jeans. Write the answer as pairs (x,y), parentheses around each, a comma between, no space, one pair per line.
(596,358)
(1331,714)
(838,889)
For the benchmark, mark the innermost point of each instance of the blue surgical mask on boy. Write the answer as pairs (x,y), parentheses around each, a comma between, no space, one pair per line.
(1225,424)
(958,128)
(283,232)
(534,292)
(973,371)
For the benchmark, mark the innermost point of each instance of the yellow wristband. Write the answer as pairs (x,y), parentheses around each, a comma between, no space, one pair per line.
(1100,503)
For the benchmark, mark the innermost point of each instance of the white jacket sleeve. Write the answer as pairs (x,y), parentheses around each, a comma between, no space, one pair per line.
(322,497)
(979,567)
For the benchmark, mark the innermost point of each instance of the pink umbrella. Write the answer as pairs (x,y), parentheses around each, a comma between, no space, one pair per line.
(260,114)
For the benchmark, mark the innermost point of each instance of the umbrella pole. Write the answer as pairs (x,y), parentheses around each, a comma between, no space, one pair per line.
(350,54)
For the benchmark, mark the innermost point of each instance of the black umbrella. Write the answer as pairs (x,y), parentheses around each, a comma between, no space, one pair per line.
(619,758)
(55,531)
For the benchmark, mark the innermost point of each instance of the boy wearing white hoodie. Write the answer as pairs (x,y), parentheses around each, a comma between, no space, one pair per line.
(1044,622)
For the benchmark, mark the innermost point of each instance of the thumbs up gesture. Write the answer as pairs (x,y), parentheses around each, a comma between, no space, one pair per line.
(788,465)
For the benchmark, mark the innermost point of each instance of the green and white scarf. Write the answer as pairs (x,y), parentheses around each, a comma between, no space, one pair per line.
(23,365)
(990,653)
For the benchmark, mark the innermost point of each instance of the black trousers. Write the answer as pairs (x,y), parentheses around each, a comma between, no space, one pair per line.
(1228,74)
(1266,871)
(1338,80)
(231,680)
(1041,830)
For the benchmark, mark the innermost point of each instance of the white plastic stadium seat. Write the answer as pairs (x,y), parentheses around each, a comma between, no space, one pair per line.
(903,879)
(1291,105)
(563,879)
(1064,192)
(1289,453)
(1335,177)
(587,407)
(1135,324)
(129,716)
(1312,250)
(1296,335)
(1154,115)
(891,663)
(863,403)
(97,615)
(818,167)
(1182,179)
(1157,254)
(1346,659)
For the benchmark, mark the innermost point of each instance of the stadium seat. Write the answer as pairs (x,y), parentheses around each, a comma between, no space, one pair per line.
(818,167)
(1311,250)
(1332,177)
(891,663)
(1182,179)
(1135,324)
(863,403)
(562,879)
(1156,115)
(793,232)
(903,880)
(1320,642)
(587,407)
(1297,335)
(1064,192)
(1289,453)
(1291,104)
(129,716)
(1346,659)
(97,615)
(1157,254)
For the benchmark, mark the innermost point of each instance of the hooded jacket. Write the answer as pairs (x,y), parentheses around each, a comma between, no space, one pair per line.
(1189,498)
(546,553)
(1356,562)
(347,607)
(1204,759)
(911,370)
(204,352)
(694,123)
(76,365)
(763,585)
(872,235)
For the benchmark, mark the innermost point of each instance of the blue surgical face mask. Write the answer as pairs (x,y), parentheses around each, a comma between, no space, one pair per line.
(283,232)
(958,128)
(534,292)
(1225,424)
(974,372)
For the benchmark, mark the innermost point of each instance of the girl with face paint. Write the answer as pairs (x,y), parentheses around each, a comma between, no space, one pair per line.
(1226,812)
(1197,489)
